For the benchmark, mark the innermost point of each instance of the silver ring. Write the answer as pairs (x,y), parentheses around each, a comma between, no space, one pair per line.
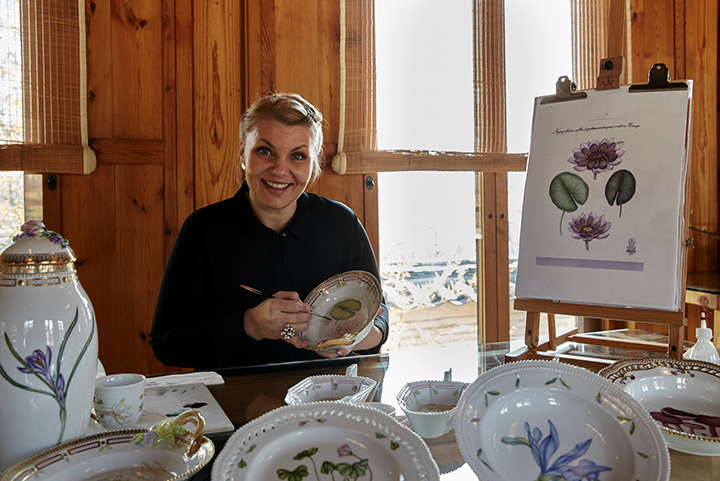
(288,332)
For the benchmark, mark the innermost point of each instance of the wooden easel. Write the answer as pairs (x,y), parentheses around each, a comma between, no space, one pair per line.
(611,70)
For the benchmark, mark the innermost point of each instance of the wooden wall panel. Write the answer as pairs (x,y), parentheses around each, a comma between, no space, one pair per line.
(683,34)
(652,37)
(184,199)
(701,65)
(139,257)
(88,209)
(99,69)
(218,97)
(137,89)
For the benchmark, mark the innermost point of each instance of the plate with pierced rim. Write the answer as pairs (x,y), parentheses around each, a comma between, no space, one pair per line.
(348,303)
(548,420)
(681,395)
(124,454)
(324,441)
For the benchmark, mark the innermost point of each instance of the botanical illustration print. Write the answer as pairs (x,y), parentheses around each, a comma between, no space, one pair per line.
(39,363)
(683,421)
(568,190)
(561,469)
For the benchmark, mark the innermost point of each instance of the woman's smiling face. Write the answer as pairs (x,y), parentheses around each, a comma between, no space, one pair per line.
(277,164)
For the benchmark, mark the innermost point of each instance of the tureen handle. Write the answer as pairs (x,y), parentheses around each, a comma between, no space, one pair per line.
(168,429)
(351,370)
(195,418)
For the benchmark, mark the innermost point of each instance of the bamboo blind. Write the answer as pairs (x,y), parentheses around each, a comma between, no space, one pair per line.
(43,120)
(356,146)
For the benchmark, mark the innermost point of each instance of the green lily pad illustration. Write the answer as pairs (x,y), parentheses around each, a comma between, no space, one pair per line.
(345,309)
(567,190)
(620,188)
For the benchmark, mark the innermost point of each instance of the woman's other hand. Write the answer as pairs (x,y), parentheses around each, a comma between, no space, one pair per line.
(271,318)
(371,340)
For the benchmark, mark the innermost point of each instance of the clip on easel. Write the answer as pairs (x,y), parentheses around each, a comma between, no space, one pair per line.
(611,72)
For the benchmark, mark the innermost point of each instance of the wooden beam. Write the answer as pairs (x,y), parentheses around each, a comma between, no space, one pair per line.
(414,160)
(129,151)
(673,318)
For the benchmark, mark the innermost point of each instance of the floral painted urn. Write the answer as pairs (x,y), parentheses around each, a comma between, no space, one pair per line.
(48,345)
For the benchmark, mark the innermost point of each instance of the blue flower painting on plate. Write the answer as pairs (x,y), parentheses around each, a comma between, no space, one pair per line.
(543,449)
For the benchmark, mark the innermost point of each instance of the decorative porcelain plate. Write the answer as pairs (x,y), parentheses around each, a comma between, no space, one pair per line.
(349,302)
(548,420)
(681,395)
(113,455)
(325,441)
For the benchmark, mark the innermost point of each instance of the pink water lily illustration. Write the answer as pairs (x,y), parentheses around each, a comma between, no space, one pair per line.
(589,227)
(597,156)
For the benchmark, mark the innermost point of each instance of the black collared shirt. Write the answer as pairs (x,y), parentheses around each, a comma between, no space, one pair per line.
(199,313)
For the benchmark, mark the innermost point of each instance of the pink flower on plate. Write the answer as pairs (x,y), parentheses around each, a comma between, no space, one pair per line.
(344,450)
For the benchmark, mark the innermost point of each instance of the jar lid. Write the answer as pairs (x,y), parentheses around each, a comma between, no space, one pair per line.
(36,250)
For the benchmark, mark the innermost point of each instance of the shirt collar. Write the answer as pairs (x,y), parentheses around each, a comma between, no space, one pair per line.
(298,225)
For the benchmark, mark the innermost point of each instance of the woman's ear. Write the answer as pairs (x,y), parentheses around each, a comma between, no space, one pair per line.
(242,155)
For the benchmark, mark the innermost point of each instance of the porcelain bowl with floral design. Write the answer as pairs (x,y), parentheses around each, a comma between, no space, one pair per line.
(550,420)
(430,406)
(331,387)
(346,305)
(681,395)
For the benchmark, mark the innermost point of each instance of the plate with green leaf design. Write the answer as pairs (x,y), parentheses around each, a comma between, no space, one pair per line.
(348,303)
(325,441)
(547,420)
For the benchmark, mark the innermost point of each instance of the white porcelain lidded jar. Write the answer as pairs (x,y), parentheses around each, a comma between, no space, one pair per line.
(48,345)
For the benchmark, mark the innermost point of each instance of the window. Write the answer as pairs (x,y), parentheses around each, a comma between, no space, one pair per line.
(425,101)
(13,185)
(536,56)
(363,102)
(43,126)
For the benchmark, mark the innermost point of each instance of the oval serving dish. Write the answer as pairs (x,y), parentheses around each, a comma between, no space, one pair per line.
(681,395)
(124,454)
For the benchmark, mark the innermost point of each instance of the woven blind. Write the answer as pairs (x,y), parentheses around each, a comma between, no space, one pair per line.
(43,120)
(357,152)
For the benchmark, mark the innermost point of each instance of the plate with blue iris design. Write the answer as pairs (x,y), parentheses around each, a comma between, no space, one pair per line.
(548,421)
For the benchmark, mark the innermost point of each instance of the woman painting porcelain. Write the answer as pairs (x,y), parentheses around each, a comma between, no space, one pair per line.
(272,236)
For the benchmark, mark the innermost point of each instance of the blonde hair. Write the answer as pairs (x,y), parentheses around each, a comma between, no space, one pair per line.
(289,109)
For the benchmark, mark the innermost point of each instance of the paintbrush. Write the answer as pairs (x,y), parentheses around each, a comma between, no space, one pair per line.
(261,293)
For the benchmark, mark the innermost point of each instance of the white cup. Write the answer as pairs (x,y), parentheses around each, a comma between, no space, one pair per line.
(119,400)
